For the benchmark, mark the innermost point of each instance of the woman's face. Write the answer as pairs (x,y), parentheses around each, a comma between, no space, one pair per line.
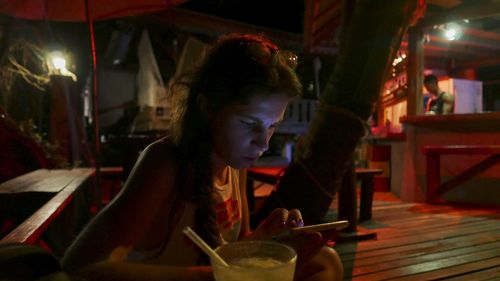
(242,131)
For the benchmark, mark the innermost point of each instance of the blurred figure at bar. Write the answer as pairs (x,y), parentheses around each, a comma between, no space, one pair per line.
(437,101)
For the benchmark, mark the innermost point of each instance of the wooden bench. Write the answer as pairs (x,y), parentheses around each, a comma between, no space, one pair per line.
(433,164)
(271,175)
(59,185)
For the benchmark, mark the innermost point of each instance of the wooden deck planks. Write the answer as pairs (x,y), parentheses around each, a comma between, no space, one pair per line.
(462,266)
(425,242)
(483,275)
(404,260)
(411,250)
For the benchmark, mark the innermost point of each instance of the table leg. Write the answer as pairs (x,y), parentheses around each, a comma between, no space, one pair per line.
(347,199)
(433,176)
(348,209)
(365,208)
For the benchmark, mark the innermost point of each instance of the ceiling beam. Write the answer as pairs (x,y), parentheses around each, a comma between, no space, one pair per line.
(445,3)
(444,47)
(486,35)
(473,10)
(476,63)
(321,19)
(440,51)
(467,41)
(213,26)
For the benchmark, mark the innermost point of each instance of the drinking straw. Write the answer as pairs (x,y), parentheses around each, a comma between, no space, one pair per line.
(203,246)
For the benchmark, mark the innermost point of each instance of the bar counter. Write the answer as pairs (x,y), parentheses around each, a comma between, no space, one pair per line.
(457,122)
(408,163)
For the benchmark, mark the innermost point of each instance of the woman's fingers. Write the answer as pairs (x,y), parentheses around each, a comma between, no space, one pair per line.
(277,222)
(274,223)
(281,218)
(277,218)
(295,218)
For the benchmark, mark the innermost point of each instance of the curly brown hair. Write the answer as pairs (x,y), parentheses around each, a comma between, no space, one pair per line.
(237,67)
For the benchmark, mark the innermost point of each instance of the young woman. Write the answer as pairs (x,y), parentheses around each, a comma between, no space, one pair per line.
(195,177)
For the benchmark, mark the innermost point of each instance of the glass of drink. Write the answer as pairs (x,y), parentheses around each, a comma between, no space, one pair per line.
(255,260)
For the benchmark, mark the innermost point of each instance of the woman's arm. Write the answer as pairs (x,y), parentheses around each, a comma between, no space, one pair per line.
(121,224)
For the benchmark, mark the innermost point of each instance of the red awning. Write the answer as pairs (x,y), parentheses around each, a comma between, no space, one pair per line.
(74,10)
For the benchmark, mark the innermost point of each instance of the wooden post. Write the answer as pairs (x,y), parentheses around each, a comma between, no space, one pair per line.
(415,71)
(63,113)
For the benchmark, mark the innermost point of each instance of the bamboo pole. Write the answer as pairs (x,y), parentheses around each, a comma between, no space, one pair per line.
(370,40)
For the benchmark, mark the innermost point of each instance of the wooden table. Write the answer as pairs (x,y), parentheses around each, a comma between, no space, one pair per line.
(33,201)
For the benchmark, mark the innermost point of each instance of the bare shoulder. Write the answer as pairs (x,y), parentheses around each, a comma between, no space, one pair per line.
(149,185)
(155,168)
(162,150)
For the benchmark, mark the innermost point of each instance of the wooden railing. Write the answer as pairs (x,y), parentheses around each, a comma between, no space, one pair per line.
(433,153)
(60,184)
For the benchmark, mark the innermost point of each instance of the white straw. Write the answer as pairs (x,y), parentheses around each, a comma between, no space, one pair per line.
(198,241)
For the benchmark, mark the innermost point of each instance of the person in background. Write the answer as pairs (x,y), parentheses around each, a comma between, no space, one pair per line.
(227,110)
(437,101)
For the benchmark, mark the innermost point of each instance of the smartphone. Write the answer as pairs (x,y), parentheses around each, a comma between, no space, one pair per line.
(319,227)
(312,228)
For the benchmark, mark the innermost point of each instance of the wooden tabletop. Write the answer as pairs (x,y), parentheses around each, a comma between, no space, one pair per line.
(44,180)
(272,174)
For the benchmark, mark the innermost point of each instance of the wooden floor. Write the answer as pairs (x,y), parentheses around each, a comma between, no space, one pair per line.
(425,242)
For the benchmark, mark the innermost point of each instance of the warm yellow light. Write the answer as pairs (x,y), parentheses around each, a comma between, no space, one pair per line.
(58,64)
(452,31)
(451,34)
(58,61)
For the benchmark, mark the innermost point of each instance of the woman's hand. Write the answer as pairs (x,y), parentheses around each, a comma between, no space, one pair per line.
(278,221)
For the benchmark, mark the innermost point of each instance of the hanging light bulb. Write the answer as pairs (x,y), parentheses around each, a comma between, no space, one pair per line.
(58,64)
(452,31)
(58,61)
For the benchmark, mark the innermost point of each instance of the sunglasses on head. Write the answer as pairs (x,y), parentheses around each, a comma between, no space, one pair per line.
(265,52)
